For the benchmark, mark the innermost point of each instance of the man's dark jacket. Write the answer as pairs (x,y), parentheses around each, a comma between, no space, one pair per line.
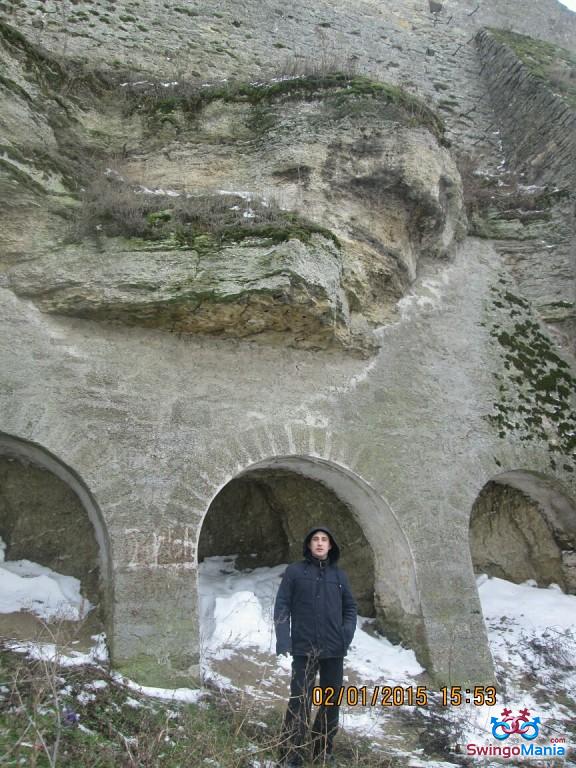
(315,612)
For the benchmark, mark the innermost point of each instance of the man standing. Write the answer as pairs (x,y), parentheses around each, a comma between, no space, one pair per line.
(315,621)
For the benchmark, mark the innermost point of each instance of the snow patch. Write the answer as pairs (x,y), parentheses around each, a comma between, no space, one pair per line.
(188,695)
(51,652)
(237,616)
(27,586)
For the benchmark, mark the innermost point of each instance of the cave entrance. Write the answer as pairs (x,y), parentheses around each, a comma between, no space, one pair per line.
(55,553)
(258,521)
(523,526)
(263,515)
(254,527)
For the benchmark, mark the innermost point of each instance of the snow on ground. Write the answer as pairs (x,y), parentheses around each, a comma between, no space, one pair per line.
(376,658)
(237,610)
(188,695)
(530,630)
(51,652)
(237,628)
(532,636)
(27,586)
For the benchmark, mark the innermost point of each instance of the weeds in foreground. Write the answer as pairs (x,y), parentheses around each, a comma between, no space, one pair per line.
(82,716)
(53,716)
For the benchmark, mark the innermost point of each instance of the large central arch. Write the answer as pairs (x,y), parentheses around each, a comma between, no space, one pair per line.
(395,594)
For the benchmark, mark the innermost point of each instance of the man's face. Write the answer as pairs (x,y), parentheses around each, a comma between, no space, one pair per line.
(320,545)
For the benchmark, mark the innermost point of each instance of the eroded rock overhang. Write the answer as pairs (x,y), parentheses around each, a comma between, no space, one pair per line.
(293,211)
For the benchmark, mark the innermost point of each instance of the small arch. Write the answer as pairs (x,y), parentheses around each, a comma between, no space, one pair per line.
(387,586)
(523,526)
(48,481)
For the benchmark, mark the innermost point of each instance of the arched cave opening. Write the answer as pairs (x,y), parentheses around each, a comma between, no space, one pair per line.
(257,522)
(262,517)
(47,534)
(523,527)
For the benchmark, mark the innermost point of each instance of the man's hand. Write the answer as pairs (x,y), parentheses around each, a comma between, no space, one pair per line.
(282,650)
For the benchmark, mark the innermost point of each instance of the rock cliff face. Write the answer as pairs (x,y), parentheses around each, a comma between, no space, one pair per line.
(206,181)
(532,88)
(543,547)
(236,284)
(537,115)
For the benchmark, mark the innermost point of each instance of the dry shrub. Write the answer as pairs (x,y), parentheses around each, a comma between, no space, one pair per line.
(328,63)
(113,207)
(505,193)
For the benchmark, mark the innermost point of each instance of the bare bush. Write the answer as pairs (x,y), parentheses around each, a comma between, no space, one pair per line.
(113,207)
(504,193)
(329,63)
(555,648)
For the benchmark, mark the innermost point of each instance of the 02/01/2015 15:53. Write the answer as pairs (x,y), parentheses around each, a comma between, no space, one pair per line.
(398,696)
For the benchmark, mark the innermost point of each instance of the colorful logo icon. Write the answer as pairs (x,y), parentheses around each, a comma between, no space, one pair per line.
(519,724)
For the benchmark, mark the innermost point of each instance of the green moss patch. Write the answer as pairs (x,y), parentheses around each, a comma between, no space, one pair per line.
(536,387)
(191,98)
(554,65)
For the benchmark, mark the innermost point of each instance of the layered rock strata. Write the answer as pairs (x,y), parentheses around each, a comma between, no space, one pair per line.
(293,212)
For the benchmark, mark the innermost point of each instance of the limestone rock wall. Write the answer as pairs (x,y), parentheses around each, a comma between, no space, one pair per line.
(539,126)
(515,538)
(42,519)
(461,385)
(275,509)
(546,19)
(539,130)
(364,191)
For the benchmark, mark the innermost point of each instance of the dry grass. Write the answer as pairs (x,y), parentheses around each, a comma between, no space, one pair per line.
(115,208)
(505,193)
(300,80)
(54,716)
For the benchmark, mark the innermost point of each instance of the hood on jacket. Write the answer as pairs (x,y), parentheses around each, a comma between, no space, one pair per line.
(334,553)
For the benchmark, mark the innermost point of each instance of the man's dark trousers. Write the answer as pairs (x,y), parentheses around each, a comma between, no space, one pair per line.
(304,669)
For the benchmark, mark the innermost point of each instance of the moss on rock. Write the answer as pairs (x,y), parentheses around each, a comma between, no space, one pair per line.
(345,92)
(551,63)
(116,209)
(536,387)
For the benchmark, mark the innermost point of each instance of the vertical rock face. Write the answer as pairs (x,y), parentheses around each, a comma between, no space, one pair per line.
(162,242)
(274,509)
(42,520)
(538,123)
(512,537)
(532,89)
(546,20)
(224,248)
